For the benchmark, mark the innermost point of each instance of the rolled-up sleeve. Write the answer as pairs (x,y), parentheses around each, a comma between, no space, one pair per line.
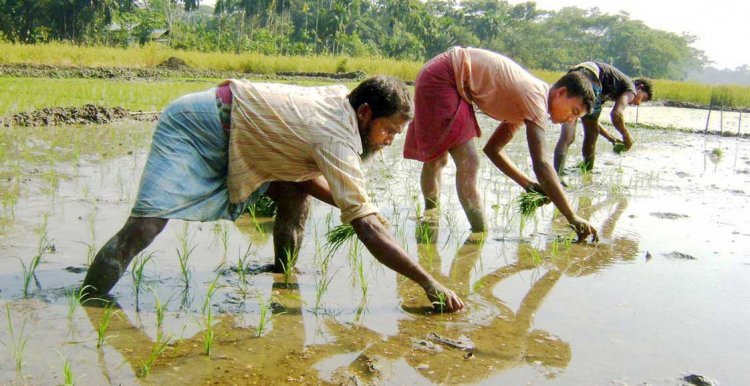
(341,167)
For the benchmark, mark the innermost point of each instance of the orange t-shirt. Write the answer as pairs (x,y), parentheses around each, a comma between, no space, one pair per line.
(500,87)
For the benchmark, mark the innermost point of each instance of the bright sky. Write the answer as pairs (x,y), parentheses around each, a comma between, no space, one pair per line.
(721,26)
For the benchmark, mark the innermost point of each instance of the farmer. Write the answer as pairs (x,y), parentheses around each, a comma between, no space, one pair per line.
(444,123)
(609,83)
(214,153)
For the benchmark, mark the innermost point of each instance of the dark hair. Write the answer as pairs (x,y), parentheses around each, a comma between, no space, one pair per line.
(578,85)
(384,94)
(646,85)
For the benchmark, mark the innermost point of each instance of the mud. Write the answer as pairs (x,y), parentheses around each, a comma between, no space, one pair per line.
(87,114)
(171,68)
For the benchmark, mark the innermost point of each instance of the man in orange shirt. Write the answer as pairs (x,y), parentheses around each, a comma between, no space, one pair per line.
(444,123)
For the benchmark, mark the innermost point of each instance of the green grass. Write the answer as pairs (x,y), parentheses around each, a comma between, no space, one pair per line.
(151,55)
(338,236)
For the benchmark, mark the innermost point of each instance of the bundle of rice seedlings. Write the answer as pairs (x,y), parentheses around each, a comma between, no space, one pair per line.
(263,207)
(529,201)
(337,236)
(618,147)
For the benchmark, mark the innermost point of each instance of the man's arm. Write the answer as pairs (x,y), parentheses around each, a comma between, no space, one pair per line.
(385,248)
(318,188)
(618,117)
(551,184)
(494,149)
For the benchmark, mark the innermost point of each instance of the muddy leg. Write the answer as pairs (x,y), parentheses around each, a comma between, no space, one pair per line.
(590,135)
(467,172)
(112,260)
(432,173)
(567,136)
(293,207)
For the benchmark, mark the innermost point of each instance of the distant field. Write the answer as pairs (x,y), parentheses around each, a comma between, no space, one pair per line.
(19,94)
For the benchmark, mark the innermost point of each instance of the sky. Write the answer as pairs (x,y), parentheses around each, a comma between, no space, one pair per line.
(721,26)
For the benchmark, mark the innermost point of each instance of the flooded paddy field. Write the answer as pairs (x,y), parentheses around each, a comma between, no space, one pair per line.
(662,296)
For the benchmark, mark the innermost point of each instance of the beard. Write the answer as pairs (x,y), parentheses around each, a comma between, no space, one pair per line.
(364,136)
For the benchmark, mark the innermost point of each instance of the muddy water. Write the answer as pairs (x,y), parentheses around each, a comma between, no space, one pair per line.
(661,296)
(691,119)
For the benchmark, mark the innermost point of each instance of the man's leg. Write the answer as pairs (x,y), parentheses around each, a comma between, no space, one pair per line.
(293,207)
(567,136)
(113,259)
(432,176)
(467,173)
(590,135)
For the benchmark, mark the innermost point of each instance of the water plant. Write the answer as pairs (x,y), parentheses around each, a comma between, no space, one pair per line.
(29,272)
(157,349)
(529,201)
(75,299)
(139,264)
(264,316)
(17,344)
(101,329)
(68,378)
(338,236)
(208,317)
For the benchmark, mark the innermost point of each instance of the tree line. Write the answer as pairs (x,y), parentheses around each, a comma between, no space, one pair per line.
(401,29)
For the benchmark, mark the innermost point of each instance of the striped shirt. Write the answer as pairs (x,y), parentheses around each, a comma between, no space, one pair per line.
(291,133)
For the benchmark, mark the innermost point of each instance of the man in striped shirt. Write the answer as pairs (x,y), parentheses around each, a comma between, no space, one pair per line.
(214,153)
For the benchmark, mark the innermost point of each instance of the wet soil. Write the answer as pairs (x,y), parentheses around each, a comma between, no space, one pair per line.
(87,114)
(540,310)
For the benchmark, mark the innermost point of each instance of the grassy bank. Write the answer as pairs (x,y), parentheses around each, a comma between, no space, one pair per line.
(18,94)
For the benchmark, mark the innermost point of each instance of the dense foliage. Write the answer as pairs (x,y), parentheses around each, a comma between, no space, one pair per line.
(400,29)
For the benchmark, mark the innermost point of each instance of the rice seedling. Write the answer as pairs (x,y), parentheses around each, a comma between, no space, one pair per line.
(183,255)
(264,316)
(75,299)
(338,236)
(290,260)
(221,230)
(361,278)
(529,201)
(440,303)
(139,265)
(425,232)
(242,268)
(68,378)
(29,272)
(17,344)
(157,349)
(322,283)
(717,153)
(208,318)
(160,309)
(618,147)
(101,329)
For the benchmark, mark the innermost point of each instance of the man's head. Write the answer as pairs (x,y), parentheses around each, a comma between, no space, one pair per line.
(644,91)
(383,107)
(570,97)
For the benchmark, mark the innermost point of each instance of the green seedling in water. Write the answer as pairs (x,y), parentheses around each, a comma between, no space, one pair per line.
(185,273)
(101,329)
(265,315)
(338,236)
(290,259)
(528,202)
(242,267)
(76,298)
(29,272)
(361,276)
(139,264)
(68,378)
(440,303)
(156,350)
(160,309)
(17,345)
(717,152)
(208,318)
(619,147)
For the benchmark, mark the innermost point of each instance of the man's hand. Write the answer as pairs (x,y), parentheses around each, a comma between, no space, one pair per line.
(583,229)
(627,141)
(442,298)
